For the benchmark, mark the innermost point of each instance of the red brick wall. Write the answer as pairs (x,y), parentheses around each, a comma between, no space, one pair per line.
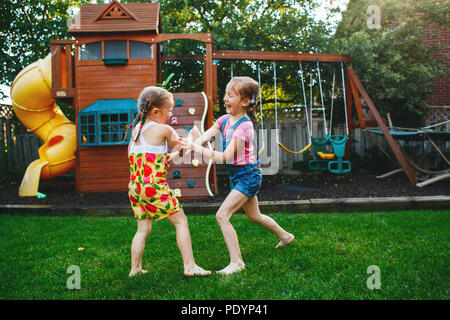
(441,89)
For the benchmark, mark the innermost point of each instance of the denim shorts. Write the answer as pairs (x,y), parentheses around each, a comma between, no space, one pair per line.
(245,179)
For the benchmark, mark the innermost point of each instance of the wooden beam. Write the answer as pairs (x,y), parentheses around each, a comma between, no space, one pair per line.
(62,42)
(349,101)
(278,56)
(202,37)
(209,81)
(262,55)
(69,66)
(358,107)
(56,66)
(177,57)
(392,143)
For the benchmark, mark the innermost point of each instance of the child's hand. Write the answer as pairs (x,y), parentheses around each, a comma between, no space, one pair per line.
(187,144)
(170,156)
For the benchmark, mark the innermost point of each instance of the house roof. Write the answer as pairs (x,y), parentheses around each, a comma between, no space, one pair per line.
(116,17)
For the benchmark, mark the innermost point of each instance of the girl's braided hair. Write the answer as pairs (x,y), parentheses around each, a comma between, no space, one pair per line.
(247,88)
(150,98)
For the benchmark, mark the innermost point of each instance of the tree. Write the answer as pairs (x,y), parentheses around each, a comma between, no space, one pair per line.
(258,25)
(394,64)
(26,27)
(271,25)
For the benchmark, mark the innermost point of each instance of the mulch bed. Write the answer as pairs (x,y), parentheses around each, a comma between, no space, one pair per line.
(357,184)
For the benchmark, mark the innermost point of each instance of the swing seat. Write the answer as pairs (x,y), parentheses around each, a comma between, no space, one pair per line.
(290,151)
(338,142)
(326,156)
(318,165)
(338,166)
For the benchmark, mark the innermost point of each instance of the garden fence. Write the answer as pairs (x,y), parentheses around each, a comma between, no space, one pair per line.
(18,148)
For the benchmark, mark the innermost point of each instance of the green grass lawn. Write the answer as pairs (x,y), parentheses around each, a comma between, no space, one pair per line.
(328,260)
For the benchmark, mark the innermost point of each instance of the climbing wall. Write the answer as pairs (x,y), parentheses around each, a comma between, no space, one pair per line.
(193,178)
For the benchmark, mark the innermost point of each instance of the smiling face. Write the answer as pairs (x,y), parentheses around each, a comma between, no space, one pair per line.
(234,103)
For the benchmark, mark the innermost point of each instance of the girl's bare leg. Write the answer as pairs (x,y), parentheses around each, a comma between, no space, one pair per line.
(180,222)
(138,244)
(234,201)
(251,209)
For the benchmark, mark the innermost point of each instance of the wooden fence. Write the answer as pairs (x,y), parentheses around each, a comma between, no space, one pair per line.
(19,148)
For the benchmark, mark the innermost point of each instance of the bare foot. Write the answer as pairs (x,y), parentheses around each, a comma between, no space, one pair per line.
(232,268)
(195,271)
(285,242)
(135,273)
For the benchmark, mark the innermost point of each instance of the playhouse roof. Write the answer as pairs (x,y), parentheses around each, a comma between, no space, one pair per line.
(116,17)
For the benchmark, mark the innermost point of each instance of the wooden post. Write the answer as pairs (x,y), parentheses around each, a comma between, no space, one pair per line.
(392,143)
(69,66)
(208,78)
(362,121)
(56,65)
(349,96)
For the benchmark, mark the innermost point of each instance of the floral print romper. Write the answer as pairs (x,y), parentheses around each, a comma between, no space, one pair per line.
(148,190)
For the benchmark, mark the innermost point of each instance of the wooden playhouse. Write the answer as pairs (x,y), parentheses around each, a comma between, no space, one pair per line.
(117,54)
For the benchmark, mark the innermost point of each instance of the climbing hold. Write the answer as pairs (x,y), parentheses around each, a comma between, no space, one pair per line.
(178,103)
(177,192)
(40,195)
(187,128)
(195,162)
(191,183)
(191,111)
(174,121)
(176,174)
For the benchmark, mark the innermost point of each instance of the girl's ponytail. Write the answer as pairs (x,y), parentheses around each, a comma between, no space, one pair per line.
(251,110)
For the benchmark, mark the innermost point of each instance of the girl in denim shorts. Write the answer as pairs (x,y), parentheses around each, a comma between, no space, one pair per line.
(236,129)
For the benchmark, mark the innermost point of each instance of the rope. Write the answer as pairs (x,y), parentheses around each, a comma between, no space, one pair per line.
(261,110)
(438,150)
(308,125)
(321,99)
(332,102)
(276,106)
(345,96)
(276,116)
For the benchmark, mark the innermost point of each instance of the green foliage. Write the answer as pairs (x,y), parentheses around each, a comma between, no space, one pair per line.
(26,28)
(393,62)
(279,25)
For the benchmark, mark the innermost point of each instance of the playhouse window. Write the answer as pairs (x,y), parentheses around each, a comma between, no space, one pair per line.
(88,129)
(113,127)
(91,51)
(116,49)
(105,122)
(140,50)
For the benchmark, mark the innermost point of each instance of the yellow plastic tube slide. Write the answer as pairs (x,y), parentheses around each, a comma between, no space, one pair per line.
(37,110)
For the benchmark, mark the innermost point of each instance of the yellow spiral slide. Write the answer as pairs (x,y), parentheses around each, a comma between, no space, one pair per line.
(37,110)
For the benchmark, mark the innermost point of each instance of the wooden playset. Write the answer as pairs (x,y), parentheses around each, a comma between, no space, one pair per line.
(117,52)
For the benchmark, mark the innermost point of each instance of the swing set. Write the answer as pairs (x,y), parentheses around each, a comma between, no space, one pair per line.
(323,159)
(331,151)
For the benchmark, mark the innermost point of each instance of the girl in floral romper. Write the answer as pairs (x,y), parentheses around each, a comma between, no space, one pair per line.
(150,196)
